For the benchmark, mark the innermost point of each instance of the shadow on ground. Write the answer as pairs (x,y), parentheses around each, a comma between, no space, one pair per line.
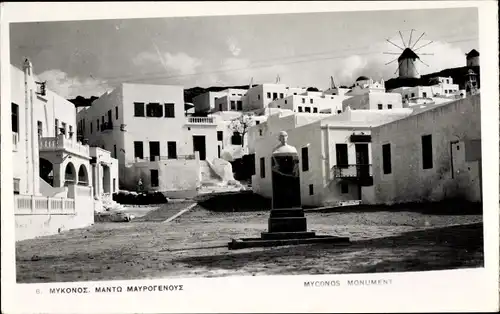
(434,249)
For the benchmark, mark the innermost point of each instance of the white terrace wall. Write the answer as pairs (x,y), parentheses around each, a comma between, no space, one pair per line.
(37,216)
(457,121)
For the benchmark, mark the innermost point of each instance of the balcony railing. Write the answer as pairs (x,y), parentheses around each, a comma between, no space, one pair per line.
(106,126)
(164,158)
(15,140)
(357,171)
(62,143)
(201,120)
(41,205)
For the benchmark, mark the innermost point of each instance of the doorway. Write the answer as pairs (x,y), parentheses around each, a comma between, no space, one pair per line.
(199,146)
(362,161)
(154,150)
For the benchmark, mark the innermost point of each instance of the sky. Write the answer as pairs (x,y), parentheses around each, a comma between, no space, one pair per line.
(90,57)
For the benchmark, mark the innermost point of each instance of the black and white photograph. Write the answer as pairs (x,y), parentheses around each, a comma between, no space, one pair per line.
(226,146)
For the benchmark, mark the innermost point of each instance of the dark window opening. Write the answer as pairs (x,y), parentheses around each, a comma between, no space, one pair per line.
(424,94)
(154,110)
(342,157)
(116,112)
(169,110)
(154,178)
(389,106)
(268,95)
(315,110)
(300,109)
(305,158)
(233,105)
(15,118)
(386,158)
(220,135)
(138,150)
(344,188)
(380,106)
(172,150)
(154,150)
(427,151)
(311,189)
(239,105)
(236,139)
(39,128)
(281,95)
(262,167)
(307,109)
(138,109)
(114,151)
(275,96)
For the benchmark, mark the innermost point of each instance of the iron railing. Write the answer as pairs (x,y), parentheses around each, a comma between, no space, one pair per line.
(352,171)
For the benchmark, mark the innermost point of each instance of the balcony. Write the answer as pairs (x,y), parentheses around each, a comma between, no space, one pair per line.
(52,144)
(201,120)
(363,174)
(165,158)
(107,127)
(15,141)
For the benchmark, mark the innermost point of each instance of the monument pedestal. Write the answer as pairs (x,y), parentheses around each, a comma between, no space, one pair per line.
(286,226)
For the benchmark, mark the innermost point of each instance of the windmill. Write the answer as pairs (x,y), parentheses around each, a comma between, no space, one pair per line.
(408,57)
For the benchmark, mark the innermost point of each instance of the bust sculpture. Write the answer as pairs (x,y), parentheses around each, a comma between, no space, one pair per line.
(284,148)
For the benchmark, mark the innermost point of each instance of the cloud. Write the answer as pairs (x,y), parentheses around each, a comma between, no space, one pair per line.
(233,47)
(70,87)
(180,63)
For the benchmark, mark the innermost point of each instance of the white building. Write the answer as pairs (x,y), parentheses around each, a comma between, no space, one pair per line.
(311,102)
(231,101)
(52,171)
(146,129)
(431,155)
(205,102)
(334,152)
(442,90)
(367,94)
(260,96)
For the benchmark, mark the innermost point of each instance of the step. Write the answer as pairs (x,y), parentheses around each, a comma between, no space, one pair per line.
(287,224)
(287,235)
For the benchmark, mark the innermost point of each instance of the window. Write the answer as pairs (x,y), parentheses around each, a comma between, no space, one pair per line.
(114,151)
(305,159)
(262,167)
(311,189)
(154,150)
(70,131)
(257,122)
(172,150)
(39,128)
(447,81)
(311,100)
(258,97)
(102,122)
(15,118)
(303,100)
(90,127)
(285,102)
(236,139)
(138,109)
(275,96)
(281,95)
(427,151)
(239,105)
(220,135)
(170,110)
(300,109)
(380,106)
(446,91)
(154,110)
(307,109)
(344,188)
(260,132)
(116,112)
(97,123)
(233,105)
(114,185)
(412,95)
(220,107)
(268,95)
(339,111)
(154,178)
(342,158)
(315,110)
(138,150)
(424,94)
(63,128)
(389,106)
(386,158)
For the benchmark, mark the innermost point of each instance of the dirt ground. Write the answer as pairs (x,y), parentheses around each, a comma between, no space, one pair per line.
(194,245)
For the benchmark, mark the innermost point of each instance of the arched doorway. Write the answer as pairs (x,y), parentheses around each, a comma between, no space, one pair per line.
(83,177)
(46,171)
(69,174)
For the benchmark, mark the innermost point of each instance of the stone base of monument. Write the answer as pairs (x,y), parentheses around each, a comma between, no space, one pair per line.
(286,227)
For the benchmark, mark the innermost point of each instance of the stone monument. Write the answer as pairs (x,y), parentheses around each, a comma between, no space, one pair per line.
(287,224)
